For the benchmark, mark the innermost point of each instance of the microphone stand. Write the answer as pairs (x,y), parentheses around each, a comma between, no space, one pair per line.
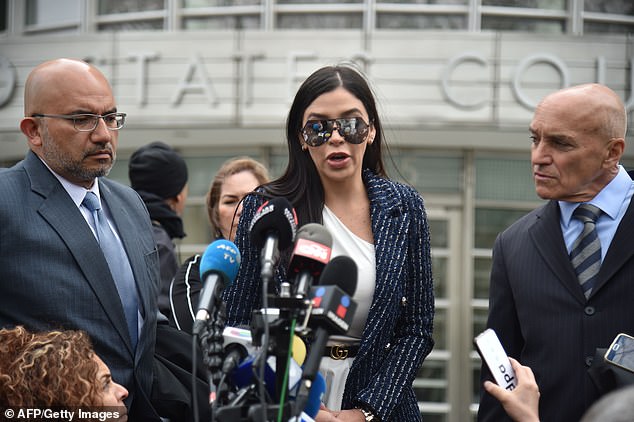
(211,343)
(250,404)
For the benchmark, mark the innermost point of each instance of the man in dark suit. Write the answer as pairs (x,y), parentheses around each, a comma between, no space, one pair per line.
(549,313)
(53,273)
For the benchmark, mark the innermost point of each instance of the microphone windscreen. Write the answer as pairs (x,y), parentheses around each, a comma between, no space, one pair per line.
(313,246)
(275,216)
(315,232)
(221,257)
(341,271)
(299,350)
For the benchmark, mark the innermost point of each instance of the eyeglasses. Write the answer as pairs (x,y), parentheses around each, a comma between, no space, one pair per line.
(317,132)
(89,122)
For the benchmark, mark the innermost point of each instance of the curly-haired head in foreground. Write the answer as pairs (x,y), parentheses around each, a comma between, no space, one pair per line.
(54,368)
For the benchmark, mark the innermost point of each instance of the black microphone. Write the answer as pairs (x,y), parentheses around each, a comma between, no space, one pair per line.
(273,228)
(341,272)
(313,245)
(333,310)
(218,268)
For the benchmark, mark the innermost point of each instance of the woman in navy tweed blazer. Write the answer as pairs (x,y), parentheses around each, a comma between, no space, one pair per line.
(334,140)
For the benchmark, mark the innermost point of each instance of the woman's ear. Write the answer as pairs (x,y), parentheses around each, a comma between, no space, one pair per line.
(371,134)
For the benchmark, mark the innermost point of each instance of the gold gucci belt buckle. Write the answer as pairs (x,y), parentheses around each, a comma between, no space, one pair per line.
(338,352)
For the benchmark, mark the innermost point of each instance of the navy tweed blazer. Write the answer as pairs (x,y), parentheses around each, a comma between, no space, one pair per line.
(398,332)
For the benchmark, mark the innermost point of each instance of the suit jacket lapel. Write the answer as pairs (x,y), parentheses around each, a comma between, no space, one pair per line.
(620,250)
(127,230)
(549,242)
(61,213)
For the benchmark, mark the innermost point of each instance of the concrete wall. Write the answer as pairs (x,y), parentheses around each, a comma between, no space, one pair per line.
(451,89)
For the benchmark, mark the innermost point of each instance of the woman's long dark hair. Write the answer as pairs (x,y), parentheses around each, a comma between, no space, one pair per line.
(300,183)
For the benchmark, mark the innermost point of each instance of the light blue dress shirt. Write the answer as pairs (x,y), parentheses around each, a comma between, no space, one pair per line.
(613,200)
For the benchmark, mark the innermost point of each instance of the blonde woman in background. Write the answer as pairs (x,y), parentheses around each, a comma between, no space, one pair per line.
(235,178)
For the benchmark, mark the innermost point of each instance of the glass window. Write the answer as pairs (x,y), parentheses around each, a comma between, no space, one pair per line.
(617,7)
(477,386)
(278,163)
(215,3)
(410,20)
(318,1)
(223,22)
(441,329)
(607,28)
(431,382)
(507,23)
(429,173)
(202,169)
(107,7)
(320,20)
(119,171)
(196,224)
(481,275)
(136,25)
(439,238)
(51,13)
(480,317)
(436,2)
(506,179)
(490,222)
(439,271)
(537,4)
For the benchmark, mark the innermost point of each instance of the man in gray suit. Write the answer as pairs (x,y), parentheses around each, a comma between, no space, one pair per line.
(550,312)
(53,273)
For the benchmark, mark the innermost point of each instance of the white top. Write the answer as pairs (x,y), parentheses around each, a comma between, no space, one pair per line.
(344,242)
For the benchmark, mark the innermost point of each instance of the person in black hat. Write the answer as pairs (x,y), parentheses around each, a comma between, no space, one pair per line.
(159,175)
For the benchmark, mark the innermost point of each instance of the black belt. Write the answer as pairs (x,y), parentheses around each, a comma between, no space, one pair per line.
(341,351)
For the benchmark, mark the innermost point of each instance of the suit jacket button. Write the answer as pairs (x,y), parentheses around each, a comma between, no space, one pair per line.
(589,310)
(589,360)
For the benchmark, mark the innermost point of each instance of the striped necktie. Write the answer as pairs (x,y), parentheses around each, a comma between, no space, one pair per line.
(586,250)
(118,263)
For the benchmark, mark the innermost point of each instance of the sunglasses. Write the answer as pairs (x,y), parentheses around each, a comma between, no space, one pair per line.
(317,132)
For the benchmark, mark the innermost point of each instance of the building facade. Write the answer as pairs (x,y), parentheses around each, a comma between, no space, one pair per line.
(456,81)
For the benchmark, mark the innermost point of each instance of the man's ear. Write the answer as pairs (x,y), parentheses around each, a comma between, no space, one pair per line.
(616,148)
(31,129)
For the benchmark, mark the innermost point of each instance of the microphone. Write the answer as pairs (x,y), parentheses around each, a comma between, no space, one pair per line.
(333,310)
(273,228)
(242,376)
(342,272)
(313,246)
(238,345)
(314,397)
(333,307)
(218,268)
(314,401)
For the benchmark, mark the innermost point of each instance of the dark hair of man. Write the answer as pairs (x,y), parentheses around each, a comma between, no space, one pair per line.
(300,183)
